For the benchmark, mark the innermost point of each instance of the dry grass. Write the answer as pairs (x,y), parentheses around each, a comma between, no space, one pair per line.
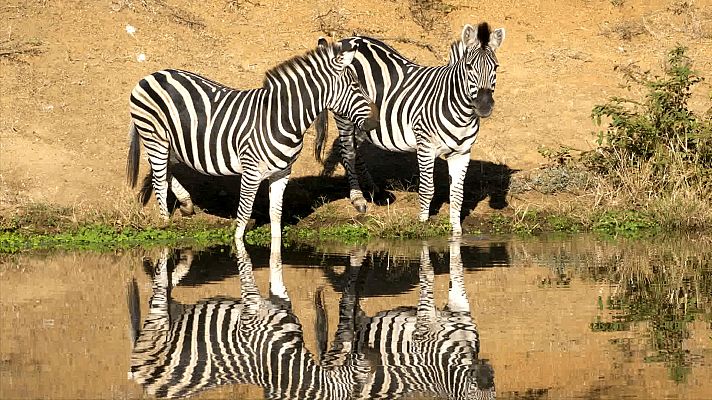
(624,30)
(430,15)
(331,19)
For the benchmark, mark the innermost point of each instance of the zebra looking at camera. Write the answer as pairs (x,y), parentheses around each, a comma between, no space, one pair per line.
(424,350)
(433,111)
(182,350)
(258,133)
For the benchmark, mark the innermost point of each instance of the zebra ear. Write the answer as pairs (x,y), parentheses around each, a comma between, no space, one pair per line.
(322,42)
(469,35)
(496,38)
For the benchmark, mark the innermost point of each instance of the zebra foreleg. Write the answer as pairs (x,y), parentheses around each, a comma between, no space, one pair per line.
(186,203)
(457,167)
(348,158)
(277,184)
(250,293)
(457,296)
(426,188)
(426,312)
(276,279)
(248,189)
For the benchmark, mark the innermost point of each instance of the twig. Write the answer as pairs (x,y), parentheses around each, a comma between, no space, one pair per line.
(416,43)
(9,52)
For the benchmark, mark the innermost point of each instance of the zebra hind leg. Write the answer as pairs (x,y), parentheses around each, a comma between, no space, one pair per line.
(377,194)
(186,203)
(158,159)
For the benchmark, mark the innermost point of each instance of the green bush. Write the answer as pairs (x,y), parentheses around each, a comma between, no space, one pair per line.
(660,131)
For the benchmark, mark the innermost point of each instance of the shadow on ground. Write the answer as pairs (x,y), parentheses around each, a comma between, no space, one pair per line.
(399,172)
(219,196)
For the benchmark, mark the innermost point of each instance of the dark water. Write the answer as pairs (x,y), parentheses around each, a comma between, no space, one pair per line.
(571,317)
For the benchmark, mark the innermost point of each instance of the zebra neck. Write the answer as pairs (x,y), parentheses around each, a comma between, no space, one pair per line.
(457,101)
(291,107)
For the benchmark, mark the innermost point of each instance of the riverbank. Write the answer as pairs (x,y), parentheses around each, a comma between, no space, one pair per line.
(579,208)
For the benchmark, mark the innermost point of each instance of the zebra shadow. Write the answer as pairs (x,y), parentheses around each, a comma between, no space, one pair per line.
(220,195)
(399,171)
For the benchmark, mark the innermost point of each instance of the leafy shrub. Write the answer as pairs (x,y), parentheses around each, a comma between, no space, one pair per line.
(660,131)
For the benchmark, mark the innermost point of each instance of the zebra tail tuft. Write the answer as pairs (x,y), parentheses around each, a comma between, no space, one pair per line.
(144,195)
(134,154)
(322,133)
(132,301)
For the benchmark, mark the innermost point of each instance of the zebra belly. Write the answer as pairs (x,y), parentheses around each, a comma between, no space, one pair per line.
(393,140)
(214,159)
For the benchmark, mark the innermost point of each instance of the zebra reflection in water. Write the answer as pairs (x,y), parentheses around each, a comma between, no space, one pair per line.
(184,349)
(423,349)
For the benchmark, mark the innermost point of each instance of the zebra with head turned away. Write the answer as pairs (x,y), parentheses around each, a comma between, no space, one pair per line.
(424,350)
(257,133)
(432,111)
(182,350)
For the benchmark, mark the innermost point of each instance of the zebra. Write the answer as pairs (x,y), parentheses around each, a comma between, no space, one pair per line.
(183,350)
(424,350)
(258,133)
(432,111)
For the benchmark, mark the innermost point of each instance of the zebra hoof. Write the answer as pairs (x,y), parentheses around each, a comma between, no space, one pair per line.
(187,209)
(360,205)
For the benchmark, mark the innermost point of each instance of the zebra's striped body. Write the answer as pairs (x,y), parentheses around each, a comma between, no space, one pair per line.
(433,111)
(258,133)
(183,350)
(424,350)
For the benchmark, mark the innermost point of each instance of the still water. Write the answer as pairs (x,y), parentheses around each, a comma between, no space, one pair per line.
(480,317)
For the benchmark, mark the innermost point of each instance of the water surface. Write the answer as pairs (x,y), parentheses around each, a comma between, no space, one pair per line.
(571,317)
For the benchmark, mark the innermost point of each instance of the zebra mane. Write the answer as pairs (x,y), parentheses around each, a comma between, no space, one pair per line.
(457,51)
(299,61)
(483,33)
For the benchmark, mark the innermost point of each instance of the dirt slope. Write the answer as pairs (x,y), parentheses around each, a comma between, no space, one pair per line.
(67,67)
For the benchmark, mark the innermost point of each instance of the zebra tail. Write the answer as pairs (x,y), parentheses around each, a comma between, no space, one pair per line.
(321,325)
(134,306)
(134,154)
(322,133)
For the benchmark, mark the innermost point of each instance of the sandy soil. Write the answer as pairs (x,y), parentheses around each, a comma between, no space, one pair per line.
(67,67)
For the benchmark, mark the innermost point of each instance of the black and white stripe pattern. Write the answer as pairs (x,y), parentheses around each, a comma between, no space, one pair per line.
(433,111)
(258,133)
(424,350)
(183,350)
